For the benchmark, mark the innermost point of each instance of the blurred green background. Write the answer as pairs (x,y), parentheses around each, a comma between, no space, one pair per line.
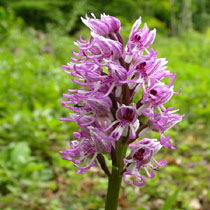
(36,38)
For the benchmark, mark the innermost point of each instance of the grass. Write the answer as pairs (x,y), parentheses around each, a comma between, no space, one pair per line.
(32,174)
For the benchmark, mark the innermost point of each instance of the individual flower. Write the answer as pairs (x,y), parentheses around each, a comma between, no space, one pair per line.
(157,94)
(83,152)
(95,102)
(126,118)
(147,68)
(98,48)
(142,157)
(107,24)
(140,39)
(162,121)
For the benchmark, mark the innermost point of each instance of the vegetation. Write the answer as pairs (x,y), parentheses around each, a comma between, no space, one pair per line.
(176,15)
(32,174)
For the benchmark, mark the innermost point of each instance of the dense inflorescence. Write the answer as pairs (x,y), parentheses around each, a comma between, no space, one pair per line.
(111,77)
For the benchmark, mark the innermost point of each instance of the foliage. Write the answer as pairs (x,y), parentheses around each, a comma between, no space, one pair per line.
(7,22)
(180,15)
(170,201)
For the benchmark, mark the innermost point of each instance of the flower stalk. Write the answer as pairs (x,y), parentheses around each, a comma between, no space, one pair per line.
(114,181)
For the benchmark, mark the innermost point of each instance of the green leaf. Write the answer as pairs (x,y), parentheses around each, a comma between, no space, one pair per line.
(21,153)
(33,167)
(140,208)
(170,201)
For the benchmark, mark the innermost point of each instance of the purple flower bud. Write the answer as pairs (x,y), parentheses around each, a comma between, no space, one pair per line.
(96,25)
(104,26)
(113,23)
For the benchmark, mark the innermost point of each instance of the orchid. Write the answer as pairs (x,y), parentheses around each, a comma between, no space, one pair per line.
(141,155)
(110,76)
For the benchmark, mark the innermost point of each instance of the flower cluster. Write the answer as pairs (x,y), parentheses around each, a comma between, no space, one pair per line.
(111,77)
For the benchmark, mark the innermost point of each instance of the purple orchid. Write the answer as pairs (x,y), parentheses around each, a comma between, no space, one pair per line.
(140,39)
(104,26)
(126,118)
(91,143)
(141,156)
(110,77)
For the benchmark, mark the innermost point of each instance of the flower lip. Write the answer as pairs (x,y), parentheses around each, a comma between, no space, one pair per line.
(139,155)
(143,155)
(126,114)
(141,65)
(153,92)
(136,37)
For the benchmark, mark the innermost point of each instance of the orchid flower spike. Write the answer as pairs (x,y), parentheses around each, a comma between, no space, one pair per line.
(120,97)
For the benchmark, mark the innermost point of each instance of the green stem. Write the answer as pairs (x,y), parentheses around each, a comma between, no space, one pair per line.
(115,179)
